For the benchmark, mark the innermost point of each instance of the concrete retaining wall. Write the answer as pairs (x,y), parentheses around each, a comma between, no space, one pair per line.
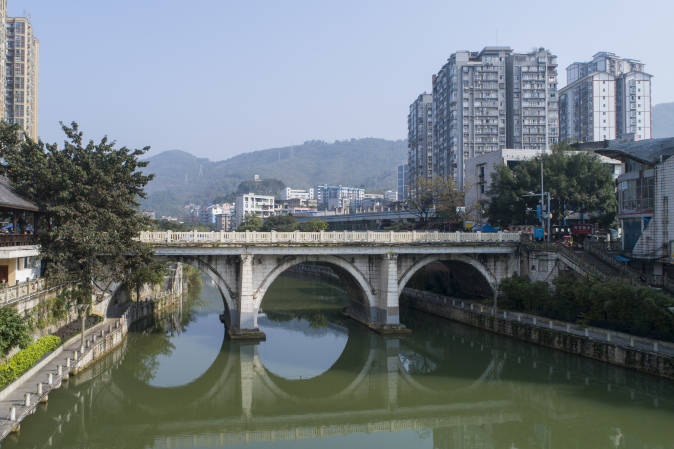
(639,360)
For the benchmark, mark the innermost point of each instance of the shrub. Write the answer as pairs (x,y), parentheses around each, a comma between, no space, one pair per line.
(14,329)
(26,358)
(619,307)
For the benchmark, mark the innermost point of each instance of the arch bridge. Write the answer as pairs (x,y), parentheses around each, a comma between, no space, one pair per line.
(373,266)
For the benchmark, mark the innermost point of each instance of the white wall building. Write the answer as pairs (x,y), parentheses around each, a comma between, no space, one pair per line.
(289,194)
(605,99)
(353,194)
(252,204)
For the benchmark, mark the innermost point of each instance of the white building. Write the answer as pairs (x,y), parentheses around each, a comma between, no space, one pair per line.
(252,204)
(391,196)
(289,194)
(208,213)
(605,99)
(325,192)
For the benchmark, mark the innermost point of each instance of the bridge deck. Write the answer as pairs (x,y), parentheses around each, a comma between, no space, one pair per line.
(325,238)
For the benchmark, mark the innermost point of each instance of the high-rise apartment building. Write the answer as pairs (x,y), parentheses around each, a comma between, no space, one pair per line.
(469,116)
(532,101)
(602,62)
(605,99)
(420,139)
(20,62)
(403,182)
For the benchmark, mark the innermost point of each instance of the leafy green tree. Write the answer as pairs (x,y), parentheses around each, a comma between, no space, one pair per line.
(313,225)
(437,201)
(578,181)
(14,330)
(90,199)
(250,223)
(153,273)
(280,223)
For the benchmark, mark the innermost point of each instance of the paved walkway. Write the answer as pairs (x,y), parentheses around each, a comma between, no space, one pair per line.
(17,397)
(606,336)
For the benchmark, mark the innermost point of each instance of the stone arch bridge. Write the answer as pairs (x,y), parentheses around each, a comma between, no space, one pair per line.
(373,266)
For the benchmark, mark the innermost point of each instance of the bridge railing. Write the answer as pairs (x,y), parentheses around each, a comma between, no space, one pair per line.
(339,237)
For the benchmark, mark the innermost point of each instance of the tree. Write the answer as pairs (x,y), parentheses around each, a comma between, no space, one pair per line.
(578,181)
(437,201)
(153,273)
(14,330)
(90,216)
(280,223)
(313,225)
(250,223)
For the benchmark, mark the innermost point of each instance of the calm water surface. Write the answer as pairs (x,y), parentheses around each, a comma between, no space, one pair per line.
(322,382)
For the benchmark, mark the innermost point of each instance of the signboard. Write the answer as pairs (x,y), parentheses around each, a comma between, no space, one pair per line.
(538,211)
(539,233)
(582,229)
(671,251)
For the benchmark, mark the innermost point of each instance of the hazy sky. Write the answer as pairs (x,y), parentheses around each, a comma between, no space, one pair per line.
(218,78)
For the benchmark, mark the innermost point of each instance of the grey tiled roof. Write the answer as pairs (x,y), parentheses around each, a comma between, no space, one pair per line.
(10,198)
(644,151)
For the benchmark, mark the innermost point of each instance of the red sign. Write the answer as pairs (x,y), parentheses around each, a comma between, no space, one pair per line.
(581,229)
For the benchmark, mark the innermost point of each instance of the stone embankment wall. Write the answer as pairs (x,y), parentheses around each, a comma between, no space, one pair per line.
(606,351)
(98,347)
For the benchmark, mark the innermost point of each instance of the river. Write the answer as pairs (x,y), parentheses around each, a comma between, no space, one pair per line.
(320,381)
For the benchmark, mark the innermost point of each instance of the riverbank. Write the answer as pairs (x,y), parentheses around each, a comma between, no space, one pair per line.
(20,398)
(640,354)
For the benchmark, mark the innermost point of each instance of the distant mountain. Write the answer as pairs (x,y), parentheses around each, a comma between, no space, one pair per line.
(663,120)
(372,162)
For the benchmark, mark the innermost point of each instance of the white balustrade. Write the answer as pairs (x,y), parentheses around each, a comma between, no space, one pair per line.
(341,237)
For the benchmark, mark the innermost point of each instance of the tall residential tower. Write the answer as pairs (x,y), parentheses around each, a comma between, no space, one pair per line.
(20,63)
(469,100)
(420,139)
(605,99)
(531,96)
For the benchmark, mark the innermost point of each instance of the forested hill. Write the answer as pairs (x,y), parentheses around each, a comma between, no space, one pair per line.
(372,162)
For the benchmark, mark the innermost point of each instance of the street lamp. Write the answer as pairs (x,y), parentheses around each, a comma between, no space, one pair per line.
(82,310)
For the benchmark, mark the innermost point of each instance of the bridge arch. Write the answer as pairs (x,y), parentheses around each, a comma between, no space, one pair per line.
(475,265)
(355,283)
(226,292)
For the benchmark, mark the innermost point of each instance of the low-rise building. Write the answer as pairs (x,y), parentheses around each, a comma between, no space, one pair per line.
(289,193)
(251,204)
(223,222)
(149,213)
(480,168)
(644,187)
(18,250)
(354,194)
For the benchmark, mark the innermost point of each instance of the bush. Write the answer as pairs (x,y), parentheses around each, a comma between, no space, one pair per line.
(26,358)
(619,307)
(14,330)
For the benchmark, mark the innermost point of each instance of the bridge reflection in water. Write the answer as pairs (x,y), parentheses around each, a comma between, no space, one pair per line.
(444,386)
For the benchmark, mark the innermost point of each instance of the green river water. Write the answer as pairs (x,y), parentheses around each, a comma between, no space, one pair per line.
(322,382)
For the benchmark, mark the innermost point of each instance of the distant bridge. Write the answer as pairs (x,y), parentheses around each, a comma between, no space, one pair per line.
(372,266)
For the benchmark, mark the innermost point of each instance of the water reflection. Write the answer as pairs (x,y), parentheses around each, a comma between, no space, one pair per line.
(319,381)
